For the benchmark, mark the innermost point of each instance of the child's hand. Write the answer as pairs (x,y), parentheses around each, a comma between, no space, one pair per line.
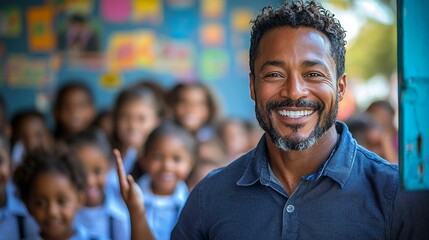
(133,197)
(129,190)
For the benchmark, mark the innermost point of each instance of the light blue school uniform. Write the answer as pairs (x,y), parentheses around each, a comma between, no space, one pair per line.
(81,233)
(108,221)
(162,212)
(15,221)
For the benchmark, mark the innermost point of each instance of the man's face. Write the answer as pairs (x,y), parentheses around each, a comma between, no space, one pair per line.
(295,89)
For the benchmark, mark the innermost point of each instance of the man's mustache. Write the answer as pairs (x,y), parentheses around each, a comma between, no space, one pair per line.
(316,105)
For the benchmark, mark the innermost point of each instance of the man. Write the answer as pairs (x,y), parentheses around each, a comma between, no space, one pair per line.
(307,178)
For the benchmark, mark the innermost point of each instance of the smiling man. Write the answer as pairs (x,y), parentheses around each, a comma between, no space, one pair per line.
(307,178)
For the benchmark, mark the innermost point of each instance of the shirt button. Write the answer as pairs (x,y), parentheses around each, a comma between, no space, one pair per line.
(290,208)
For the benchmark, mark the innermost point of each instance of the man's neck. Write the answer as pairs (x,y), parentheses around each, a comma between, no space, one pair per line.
(290,167)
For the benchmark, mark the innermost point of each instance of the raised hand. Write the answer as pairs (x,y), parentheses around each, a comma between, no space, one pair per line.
(133,198)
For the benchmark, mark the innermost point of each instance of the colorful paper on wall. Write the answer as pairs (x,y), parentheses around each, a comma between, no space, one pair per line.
(177,58)
(110,80)
(241,20)
(41,36)
(212,35)
(84,7)
(31,72)
(10,22)
(115,11)
(132,50)
(214,64)
(212,8)
(147,11)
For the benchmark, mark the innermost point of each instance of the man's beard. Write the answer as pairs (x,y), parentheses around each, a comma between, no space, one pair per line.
(297,144)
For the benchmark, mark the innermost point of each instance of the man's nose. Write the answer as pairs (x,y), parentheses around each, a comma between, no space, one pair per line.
(294,87)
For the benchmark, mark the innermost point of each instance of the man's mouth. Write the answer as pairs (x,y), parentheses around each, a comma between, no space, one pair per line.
(295,114)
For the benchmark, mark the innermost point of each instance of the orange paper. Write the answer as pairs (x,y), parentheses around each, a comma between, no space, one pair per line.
(41,37)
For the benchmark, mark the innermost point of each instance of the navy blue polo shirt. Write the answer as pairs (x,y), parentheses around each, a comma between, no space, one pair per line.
(354,195)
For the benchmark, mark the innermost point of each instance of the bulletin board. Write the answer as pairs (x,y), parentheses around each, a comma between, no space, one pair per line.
(123,41)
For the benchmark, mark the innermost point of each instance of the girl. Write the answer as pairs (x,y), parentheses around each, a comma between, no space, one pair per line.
(102,215)
(29,131)
(74,110)
(52,186)
(15,222)
(194,108)
(168,157)
(136,113)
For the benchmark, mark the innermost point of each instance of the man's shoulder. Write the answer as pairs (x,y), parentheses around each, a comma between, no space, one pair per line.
(374,162)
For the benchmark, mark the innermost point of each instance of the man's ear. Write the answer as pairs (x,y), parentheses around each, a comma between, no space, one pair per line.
(252,85)
(341,86)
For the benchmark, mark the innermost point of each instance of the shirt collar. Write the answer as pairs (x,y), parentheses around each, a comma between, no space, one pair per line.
(179,195)
(337,168)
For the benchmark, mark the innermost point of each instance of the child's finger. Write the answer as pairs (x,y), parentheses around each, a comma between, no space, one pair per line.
(120,169)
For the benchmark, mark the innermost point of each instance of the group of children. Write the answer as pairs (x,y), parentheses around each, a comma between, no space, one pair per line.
(65,184)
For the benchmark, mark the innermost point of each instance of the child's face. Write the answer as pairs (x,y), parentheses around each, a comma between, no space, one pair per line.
(34,133)
(135,120)
(167,162)
(53,202)
(192,110)
(77,111)
(97,166)
(236,138)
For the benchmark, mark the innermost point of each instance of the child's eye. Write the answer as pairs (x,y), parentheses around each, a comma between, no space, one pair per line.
(177,159)
(62,201)
(40,203)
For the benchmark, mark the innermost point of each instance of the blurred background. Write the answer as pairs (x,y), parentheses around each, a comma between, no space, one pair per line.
(112,43)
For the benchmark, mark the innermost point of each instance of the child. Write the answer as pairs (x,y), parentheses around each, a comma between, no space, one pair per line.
(15,222)
(384,113)
(52,186)
(235,136)
(168,157)
(102,215)
(29,131)
(136,113)
(194,108)
(74,110)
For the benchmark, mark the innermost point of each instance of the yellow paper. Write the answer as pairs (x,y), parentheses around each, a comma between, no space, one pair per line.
(80,6)
(110,80)
(241,20)
(213,8)
(147,10)
(40,33)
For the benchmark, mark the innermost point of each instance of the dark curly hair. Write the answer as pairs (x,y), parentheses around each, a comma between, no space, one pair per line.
(297,14)
(40,161)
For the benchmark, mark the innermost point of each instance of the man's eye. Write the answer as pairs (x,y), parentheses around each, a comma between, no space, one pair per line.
(314,74)
(273,75)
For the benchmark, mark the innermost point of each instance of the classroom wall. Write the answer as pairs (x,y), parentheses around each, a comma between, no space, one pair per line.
(168,41)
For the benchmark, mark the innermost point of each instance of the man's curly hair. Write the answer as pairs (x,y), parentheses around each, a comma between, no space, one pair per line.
(297,14)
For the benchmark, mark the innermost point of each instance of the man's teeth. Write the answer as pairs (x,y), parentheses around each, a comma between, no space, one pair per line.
(295,114)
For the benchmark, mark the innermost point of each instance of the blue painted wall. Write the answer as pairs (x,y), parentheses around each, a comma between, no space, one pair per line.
(413,60)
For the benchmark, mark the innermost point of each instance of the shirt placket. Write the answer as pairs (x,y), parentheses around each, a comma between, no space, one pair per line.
(291,213)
